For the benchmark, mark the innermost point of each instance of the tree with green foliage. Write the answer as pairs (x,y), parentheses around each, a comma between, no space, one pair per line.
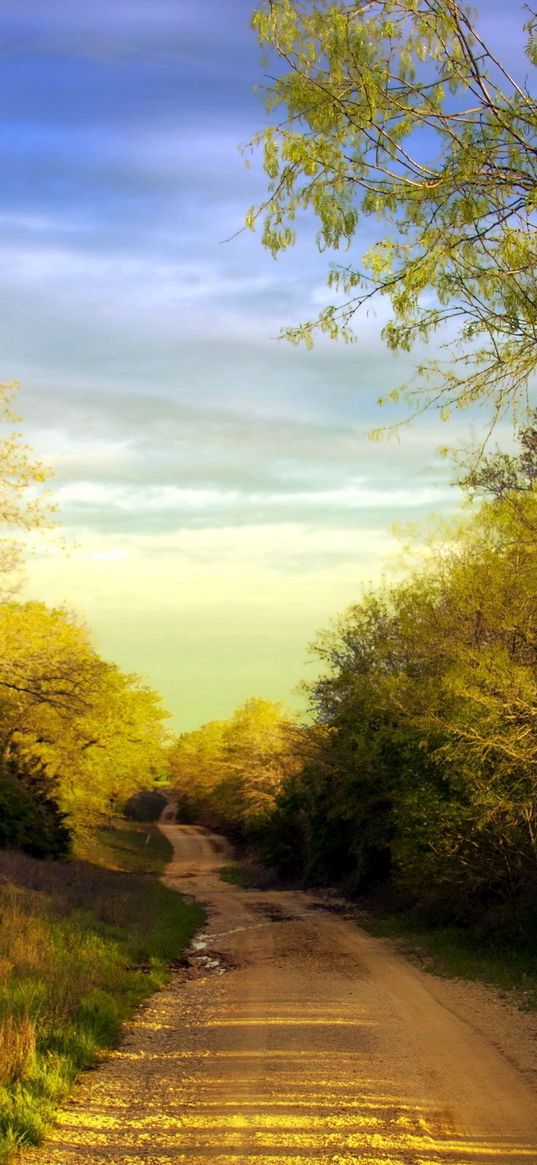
(227,773)
(397,112)
(23,503)
(30,817)
(95,733)
(424,771)
(118,745)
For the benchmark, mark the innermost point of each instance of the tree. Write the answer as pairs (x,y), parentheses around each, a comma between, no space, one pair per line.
(421,767)
(227,773)
(23,504)
(94,732)
(430,694)
(117,745)
(506,475)
(30,817)
(396,111)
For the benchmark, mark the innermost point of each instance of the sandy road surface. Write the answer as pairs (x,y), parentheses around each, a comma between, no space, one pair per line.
(295,1038)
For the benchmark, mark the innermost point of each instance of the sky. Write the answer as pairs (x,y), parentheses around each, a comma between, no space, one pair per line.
(220,498)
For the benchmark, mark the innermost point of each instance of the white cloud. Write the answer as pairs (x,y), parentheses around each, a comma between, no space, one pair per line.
(153,499)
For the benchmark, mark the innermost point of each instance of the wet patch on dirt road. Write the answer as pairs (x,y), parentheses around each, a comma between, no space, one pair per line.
(271,912)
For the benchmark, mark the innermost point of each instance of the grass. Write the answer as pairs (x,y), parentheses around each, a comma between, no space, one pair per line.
(81,944)
(236,875)
(126,845)
(248,873)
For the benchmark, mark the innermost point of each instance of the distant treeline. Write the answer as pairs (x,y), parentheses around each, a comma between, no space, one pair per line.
(419,771)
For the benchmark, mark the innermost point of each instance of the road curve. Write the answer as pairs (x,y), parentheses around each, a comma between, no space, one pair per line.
(294,1038)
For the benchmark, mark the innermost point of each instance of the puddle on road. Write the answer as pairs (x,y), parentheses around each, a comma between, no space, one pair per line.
(208,963)
(199,943)
(198,960)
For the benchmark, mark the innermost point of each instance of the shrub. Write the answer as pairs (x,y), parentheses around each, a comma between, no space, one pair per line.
(30,818)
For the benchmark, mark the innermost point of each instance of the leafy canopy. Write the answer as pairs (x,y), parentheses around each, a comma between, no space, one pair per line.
(396,111)
(95,733)
(23,501)
(429,700)
(227,772)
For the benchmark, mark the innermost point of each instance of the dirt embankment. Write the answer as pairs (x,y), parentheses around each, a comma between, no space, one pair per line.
(292,1036)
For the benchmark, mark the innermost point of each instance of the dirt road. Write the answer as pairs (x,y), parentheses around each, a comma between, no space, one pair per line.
(294,1038)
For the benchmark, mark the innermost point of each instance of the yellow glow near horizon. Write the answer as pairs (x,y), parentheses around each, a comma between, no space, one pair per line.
(212,616)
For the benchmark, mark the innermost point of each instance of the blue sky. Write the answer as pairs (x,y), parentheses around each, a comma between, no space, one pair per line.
(220,496)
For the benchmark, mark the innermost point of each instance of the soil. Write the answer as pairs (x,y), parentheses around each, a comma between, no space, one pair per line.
(291,1036)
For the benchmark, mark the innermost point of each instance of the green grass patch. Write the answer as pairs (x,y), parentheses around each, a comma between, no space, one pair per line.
(126,845)
(81,944)
(250,874)
(237,875)
(463,953)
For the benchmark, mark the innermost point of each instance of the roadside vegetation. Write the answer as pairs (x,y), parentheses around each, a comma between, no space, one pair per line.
(81,944)
(125,846)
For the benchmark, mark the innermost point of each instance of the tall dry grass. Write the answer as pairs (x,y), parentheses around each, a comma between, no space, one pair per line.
(70,975)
